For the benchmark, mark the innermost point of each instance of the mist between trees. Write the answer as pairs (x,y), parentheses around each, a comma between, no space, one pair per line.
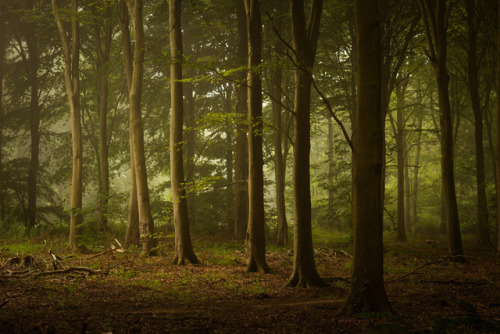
(268,121)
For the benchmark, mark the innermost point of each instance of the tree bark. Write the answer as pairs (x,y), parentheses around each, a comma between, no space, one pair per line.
(102,67)
(497,157)
(472,69)
(241,149)
(183,248)
(435,21)
(305,38)
(72,82)
(34,120)
(146,224)
(2,61)
(229,163)
(367,292)
(255,238)
(401,153)
(132,236)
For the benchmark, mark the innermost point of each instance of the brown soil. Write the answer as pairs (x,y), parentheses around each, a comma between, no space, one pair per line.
(153,296)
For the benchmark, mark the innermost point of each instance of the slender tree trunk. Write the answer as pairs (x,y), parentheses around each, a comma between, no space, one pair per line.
(414,193)
(241,150)
(183,248)
(190,134)
(482,203)
(255,239)
(2,61)
(497,157)
(305,39)
(72,82)
(132,236)
(367,292)
(435,21)
(279,176)
(330,171)
(34,120)
(400,148)
(102,104)
(146,224)
(229,163)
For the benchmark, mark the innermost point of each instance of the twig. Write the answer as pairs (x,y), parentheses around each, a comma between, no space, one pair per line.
(72,269)
(417,269)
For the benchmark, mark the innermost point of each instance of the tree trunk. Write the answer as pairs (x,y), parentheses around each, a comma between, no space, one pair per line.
(255,239)
(146,224)
(330,172)
(183,248)
(435,21)
(72,82)
(102,67)
(400,149)
(416,168)
(279,176)
(2,61)
(497,157)
(229,163)
(472,67)
(34,120)
(132,236)
(241,163)
(367,292)
(305,38)
(190,136)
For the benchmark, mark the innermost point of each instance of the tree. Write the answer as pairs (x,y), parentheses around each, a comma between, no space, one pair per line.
(183,248)
(72,83)
(367,292)
(305,38)
(497,156)
(435,22)
(279,168)
(32,66)
(132,236)
(146,224)
(241,163)
(2,61)
(103,69)
(256,221)
(472,69)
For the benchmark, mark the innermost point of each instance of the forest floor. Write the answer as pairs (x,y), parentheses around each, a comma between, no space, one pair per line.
(129,294)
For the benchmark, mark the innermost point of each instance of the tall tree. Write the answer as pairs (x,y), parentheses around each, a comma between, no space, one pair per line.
(103,29)
(71,53)
(472,69)
(497,156)
(401,153)
(305,39)
(367,292)
(32,65)
(435,22)
(183,248)
(132,236)
(146,224)
(279,169)
(241,149)
(2,61)
(256,220)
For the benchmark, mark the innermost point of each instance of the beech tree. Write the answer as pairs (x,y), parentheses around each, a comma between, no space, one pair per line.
(367,292)
(305,39)
(146,224)
(71,53)
(241,149)
(183,248)
(132,236)
(256,221)
(435,15)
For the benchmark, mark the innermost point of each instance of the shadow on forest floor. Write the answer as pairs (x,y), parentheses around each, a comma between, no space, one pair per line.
(119,292)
